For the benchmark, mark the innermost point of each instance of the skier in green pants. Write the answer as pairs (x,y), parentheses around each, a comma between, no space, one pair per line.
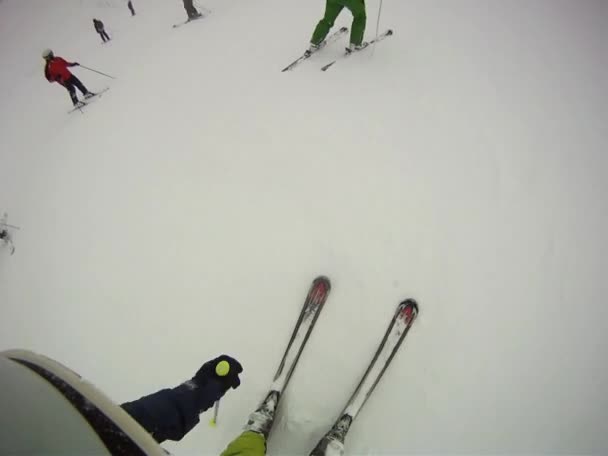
(332,9)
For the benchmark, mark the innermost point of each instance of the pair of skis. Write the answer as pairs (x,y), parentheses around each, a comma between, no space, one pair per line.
(384,35)
(307,54)
(332,443)
(82,103)
(330,39)
(187,21)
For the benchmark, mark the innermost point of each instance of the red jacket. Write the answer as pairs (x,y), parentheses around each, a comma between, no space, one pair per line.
(56,69)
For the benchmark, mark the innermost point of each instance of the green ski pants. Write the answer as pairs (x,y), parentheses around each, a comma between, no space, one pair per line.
(247,444)
(332,10)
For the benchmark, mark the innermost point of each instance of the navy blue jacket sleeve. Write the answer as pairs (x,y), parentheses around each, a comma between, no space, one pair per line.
(170,414)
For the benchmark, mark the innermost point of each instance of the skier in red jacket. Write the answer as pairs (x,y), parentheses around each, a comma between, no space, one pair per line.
(56,70)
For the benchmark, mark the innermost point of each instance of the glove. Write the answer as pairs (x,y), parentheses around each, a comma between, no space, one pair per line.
(207,373)
(75,64)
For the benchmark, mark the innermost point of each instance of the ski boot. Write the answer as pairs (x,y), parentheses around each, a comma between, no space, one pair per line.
(355,47)
(333,442)
(313,48)
(261,420)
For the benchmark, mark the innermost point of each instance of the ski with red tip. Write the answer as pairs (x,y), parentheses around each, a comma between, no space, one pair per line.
(332,444)
(262,418)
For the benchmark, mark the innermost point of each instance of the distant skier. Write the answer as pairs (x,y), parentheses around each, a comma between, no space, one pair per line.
(5,237)
(56,70)
(100,28)
(332,9)
(191,10)
(130,5)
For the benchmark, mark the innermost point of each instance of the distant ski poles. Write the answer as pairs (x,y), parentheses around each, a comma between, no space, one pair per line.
(98,72)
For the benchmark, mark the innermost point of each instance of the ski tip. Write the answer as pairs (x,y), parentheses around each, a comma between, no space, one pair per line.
(324,280)
(409,304)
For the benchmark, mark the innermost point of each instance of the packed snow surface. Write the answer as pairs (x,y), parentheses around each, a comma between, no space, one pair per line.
(461,162)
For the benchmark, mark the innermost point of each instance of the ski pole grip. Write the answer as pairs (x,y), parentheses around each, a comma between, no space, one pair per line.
(222,368)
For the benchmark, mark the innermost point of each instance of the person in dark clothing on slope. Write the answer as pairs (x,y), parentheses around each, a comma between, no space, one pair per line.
(191,10)
(130,5)
(56,70)
(170,414)
(5,237)
(100,28)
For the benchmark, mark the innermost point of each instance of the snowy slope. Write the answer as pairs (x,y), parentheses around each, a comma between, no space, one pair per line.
(184,214)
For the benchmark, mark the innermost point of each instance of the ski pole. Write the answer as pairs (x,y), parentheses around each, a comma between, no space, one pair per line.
(3,220)
(222,369)
(216,409)
(98,72)
(377,26)
(10,226)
